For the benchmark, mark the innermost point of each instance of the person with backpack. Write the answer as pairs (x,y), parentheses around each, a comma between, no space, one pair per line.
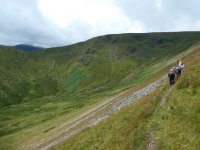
(178,72)
(171,76)
(179,69)
(182,66)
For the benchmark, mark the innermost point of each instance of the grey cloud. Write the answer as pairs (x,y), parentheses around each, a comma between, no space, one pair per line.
(22,22)
(172,14)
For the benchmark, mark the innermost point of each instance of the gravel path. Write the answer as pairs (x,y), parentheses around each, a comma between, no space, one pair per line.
(98,115)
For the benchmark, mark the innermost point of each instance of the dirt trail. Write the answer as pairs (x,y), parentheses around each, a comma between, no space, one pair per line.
(163,100)
(96,115)
(152,145)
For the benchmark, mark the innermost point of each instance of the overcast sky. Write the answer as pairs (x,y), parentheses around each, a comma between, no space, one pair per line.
(62,22)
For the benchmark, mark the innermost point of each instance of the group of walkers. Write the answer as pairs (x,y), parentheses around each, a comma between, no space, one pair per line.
(175,73)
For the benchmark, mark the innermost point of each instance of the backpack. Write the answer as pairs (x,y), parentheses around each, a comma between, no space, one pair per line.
(177,71)
(169,74)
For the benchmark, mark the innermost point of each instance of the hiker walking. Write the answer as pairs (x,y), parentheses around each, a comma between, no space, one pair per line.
(179,69)
(182,66)
(171,76)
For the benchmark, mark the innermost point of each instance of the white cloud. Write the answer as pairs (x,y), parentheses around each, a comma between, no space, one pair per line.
(95,17)
(158,4)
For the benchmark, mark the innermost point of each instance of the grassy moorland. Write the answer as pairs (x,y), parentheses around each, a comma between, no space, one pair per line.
(41,90)
(168,119)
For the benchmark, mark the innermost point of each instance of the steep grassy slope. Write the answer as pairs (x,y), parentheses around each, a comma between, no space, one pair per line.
(38,88)
(168,119)
(100,64)
(11,73)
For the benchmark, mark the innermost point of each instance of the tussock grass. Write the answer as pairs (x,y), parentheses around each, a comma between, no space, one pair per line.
(181,129)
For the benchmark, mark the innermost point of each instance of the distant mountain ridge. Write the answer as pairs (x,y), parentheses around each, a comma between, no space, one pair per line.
(27,48)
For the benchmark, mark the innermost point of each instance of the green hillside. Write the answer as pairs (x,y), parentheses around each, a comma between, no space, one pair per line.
(97,65)
(41,87)
(166,119)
